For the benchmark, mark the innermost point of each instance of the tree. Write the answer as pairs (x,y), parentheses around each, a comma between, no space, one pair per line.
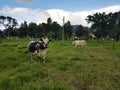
(81,32)
(2,19)
(45,28)
(48,25)
(32,29)
(9,23)
(51,34)
(55,27)
(1,33)
(40,31)
(99,24)
(68,30)
(23,30)
(114,25)
(49,21)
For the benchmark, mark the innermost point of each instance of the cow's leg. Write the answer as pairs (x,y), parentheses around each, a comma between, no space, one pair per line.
(38,54)
(85,46)
(31,56)
(44,55)
(75,46)
(44,58)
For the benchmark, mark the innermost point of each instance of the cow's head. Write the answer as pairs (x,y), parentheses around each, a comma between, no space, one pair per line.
(45,42)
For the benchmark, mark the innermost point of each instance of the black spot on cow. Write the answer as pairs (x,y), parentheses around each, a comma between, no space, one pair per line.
(32,47)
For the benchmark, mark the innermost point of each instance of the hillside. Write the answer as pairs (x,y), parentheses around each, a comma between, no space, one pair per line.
(66,67)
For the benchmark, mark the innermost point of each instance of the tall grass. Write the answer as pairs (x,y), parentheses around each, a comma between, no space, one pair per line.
(66,67)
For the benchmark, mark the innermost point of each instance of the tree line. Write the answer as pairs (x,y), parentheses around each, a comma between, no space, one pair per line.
(105,25)
(102,25)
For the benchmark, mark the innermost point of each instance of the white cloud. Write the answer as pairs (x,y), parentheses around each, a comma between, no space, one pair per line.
(26,1)
(2,27)
(39,15)
(109,9)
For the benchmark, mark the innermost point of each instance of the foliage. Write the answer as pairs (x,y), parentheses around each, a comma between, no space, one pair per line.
(102,25)
(9,23)
(105,24)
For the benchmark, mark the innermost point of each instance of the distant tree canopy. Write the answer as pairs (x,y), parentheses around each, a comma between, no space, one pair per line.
(49,29)
(102,25)
(105,24)
(9,23)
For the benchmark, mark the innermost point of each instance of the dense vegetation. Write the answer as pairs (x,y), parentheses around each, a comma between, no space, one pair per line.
(66,67)
(102,25)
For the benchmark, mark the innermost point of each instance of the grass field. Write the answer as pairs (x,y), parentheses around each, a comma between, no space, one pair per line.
(66,67)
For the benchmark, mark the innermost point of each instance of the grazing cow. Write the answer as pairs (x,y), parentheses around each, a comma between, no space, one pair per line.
(77,43)
(39,47)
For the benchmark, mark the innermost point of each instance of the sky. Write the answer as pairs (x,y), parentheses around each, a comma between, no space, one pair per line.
(39,11)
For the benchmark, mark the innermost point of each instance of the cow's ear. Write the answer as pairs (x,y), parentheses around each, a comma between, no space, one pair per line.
(50,40)
(41,39)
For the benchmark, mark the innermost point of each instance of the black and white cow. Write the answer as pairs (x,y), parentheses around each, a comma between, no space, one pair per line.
(39,47)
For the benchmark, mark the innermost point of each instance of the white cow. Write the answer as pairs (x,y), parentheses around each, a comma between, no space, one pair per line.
(77,43)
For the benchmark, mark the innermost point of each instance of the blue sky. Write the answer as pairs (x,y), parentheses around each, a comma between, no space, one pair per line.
(39,11)
(70,5)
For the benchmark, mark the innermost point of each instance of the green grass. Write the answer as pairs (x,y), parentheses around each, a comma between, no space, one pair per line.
(66,67)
